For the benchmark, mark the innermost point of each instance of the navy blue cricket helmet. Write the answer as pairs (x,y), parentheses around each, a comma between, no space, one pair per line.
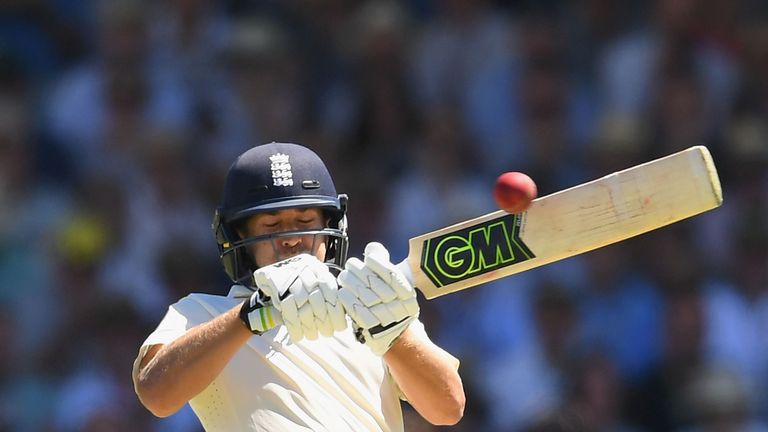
(273,177)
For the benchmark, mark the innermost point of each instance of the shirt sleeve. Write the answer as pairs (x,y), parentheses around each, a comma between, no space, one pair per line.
(417,329)
(181,316)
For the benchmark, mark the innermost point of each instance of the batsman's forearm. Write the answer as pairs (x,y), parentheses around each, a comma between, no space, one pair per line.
(184,368)
(429,378)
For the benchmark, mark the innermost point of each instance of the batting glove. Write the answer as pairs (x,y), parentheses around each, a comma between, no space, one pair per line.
(378,298)
(304,292)
(257,315)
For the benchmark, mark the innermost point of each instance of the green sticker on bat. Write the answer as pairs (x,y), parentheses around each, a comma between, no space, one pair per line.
(474,250)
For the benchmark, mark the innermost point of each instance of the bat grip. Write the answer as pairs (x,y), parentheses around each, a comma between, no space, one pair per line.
(406,270)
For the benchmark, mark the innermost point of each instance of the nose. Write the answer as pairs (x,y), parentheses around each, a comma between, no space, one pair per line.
(291,242)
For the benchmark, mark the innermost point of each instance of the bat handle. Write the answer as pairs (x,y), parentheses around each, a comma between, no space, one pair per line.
(404,267)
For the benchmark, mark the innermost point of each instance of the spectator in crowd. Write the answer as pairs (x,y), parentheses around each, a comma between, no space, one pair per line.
(119,118)
(99,109)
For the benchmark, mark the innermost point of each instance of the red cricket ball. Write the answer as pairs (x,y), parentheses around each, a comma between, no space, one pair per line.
(514,191)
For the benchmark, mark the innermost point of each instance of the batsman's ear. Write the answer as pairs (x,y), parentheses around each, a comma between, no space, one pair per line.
(241,228)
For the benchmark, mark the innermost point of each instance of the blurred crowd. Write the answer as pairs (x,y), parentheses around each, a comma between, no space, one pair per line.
(119,119)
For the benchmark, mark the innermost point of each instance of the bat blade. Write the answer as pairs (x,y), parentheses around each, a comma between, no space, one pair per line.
(566,223)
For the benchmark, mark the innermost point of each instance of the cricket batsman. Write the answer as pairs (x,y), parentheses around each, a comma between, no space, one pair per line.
(351,347)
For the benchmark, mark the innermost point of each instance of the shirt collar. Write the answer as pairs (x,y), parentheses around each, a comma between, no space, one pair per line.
(240,291)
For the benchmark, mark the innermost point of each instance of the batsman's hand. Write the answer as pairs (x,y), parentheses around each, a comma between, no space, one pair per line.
(378,298)
(305,293)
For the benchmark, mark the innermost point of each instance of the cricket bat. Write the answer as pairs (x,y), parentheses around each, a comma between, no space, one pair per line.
(566,223)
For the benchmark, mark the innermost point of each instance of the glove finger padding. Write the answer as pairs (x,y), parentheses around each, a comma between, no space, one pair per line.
(387,313)
(317,305)
(382,290)
(357,278)
(329,288)
(276,279)
(364,317)
(377,260)
(377,297)
(305,292)
(411,306)
(303,286)
(337,317)
(289,310)
(308,323)
(356,310)
(325,328)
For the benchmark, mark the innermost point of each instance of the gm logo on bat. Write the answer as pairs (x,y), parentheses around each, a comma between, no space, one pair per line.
(474,250)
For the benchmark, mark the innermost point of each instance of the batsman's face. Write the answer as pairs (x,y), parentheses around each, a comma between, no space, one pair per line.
(276,249)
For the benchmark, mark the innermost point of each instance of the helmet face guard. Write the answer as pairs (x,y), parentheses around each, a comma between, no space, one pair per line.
(270,178)
(239,265)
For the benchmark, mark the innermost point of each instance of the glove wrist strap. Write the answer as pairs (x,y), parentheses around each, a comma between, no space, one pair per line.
(256,317)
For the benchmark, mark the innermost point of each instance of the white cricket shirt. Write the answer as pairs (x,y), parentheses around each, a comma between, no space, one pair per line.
(331,384)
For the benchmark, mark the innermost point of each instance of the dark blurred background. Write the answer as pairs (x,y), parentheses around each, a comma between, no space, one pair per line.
(119,118)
